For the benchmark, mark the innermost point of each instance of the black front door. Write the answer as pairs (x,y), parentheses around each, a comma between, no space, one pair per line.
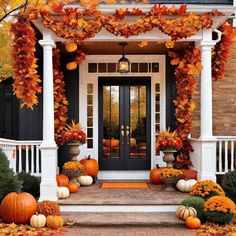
(124,123)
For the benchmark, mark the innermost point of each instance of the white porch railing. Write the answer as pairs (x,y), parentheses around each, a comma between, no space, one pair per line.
(22,155)
(225,154)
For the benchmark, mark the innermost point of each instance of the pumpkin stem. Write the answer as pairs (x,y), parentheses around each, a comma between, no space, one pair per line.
(157,166)
(88,157)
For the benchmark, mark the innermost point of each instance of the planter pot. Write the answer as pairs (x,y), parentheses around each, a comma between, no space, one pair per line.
(74,151)
(169,157)
(73,175)
(170,182)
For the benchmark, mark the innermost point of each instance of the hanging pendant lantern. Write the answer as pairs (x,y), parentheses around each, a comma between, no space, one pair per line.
(123,65)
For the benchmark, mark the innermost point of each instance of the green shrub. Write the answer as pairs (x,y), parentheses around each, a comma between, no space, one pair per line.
(8,181)
(197,203)
(219,217)
(229,185)
(30,184)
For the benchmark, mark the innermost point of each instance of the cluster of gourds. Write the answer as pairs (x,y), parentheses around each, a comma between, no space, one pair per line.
(20,208)
(185,184)
(65,187)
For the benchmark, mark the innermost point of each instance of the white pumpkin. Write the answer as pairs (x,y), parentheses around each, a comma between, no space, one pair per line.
(184,212)
(38,221)
(185,185)
(63,192)
(85,180)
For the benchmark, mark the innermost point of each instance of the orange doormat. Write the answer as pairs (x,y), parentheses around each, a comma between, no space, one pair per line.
(126,185)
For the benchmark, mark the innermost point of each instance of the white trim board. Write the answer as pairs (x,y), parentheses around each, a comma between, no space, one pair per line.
(92,78)
(116,208)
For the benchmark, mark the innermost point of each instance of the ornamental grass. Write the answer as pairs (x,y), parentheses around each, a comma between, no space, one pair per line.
(206,189)
(219,209)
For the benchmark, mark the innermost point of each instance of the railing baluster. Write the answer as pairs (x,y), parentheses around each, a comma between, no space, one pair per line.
(32,159)
(37,160)
(220,156)
(226,156)
(232,155)
(20,159)
(27,159)
(14,159)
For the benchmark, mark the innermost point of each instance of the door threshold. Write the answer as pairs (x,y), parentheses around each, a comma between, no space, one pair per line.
(123,175)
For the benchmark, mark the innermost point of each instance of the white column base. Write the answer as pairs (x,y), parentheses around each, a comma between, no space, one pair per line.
(48,169)
(204,158)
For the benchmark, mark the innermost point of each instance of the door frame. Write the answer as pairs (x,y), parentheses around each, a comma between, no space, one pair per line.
(86,78)
(121,81)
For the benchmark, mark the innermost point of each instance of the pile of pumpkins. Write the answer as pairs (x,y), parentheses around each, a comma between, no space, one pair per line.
(189,215)
(185,184)
(64,187)
(20,208)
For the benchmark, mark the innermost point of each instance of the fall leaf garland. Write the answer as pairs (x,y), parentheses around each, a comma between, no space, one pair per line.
(188,64)
(60,101)
(221,51)
(26,80)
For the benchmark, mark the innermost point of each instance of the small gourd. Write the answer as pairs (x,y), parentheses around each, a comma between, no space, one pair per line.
(54,222)
(38,221)
(85,180)
(185,185)
(63,192)
(184,212)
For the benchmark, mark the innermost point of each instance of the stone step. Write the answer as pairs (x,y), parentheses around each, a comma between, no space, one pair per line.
(167,219)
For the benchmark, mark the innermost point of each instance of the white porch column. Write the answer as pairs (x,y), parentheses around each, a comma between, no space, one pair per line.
(48,147)
(205,147)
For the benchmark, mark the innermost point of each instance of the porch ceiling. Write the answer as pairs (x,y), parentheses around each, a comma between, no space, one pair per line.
(111,48)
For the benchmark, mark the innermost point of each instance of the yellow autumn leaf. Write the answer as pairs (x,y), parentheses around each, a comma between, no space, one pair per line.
(192,106)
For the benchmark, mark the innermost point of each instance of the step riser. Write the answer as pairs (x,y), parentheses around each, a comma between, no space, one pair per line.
(116,208)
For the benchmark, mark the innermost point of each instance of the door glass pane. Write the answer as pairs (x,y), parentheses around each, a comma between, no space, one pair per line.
(111,126)
(138,129)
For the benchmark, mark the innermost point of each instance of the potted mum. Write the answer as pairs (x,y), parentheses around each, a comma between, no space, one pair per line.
(168,143)
(73,169)
(74,136)
(170,177)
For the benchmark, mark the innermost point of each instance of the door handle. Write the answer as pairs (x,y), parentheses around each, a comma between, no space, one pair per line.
(127,134)
(122,134)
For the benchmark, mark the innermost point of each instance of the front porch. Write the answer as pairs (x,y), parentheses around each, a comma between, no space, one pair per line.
(38,155)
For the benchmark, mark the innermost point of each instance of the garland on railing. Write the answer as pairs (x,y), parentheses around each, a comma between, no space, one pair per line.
(26,80)
(188,64)
(60,101)
(222,51)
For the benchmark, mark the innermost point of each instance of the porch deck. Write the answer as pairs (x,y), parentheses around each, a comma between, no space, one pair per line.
(94,195)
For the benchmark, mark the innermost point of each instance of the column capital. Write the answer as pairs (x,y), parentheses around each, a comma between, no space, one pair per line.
(50,43)
(207,44)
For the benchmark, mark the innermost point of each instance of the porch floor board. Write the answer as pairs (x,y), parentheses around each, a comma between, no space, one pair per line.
(94,195)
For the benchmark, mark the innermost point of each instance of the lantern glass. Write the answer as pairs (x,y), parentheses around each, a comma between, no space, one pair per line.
(123,65)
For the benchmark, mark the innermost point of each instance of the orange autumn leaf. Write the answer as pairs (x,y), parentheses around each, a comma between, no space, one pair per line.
(174,61)
(143,44)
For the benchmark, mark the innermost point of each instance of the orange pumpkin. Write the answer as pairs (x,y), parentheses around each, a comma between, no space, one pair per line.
(62,180)
(18,208)
(155,175)
(90,166)
(71,65)
(189,174)
(54,222)
(73,187)
(111,143)
(193,223)
(71,47)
